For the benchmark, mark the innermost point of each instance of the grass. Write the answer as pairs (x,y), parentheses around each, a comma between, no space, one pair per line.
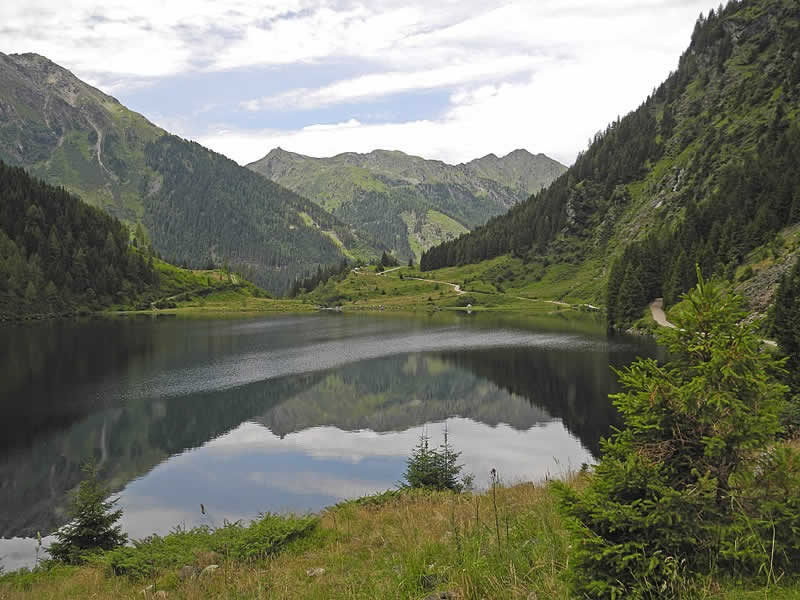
(504,284)
(236,301)
(511,545)
(209,292)
(408,289)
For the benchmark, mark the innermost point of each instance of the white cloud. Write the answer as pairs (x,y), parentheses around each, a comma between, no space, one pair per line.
(541,74)
(376,85)
(555,112)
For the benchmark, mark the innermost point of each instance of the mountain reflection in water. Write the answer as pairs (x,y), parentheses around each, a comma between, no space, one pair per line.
(285,413)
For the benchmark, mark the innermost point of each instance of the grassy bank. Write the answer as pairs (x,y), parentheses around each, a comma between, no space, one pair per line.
(512,544)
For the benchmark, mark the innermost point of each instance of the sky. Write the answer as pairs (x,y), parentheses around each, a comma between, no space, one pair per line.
(451,80)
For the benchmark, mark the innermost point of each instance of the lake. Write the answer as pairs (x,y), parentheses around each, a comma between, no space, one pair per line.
(288,413)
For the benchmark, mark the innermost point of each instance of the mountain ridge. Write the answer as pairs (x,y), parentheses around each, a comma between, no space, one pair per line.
(409,201)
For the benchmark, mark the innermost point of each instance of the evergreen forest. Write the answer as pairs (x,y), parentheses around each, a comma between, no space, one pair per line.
(60,255)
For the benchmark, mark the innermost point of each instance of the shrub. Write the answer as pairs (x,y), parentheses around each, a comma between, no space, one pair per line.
(673,491)
(466,300)
(92,525)
(262,538)
(434,468)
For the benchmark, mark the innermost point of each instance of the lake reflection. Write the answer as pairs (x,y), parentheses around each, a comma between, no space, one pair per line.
(285,414)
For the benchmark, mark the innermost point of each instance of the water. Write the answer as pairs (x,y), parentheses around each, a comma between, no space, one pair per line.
(285,413)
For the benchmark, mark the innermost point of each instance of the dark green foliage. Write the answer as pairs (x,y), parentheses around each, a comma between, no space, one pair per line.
(58,254)
(320,277)
(209,202)
(682,490)
(387,260)
(261,539)
(753,202)
(786,329)
(434,468)
(92,527)
(620,153)
(197,206)
(764,537)
(786,322)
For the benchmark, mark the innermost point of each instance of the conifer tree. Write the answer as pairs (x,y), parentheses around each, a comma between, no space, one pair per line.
(93,522)
(659,508)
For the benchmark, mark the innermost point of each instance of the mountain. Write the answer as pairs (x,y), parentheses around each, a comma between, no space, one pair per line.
(704,172)
(409,202)
(198,206)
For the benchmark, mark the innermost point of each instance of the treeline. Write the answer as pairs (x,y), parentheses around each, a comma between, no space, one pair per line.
(58,254)
(210,209)
(321,276)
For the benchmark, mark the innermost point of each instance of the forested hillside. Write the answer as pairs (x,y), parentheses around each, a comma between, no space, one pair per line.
(406,201)
(705,170)
(57,254)
(197,205)
(209,209)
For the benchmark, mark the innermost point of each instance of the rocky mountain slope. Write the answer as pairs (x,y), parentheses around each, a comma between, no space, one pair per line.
(198,206)
(409,202)
(706,170)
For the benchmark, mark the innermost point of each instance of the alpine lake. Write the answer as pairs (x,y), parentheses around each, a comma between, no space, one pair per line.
(287,413)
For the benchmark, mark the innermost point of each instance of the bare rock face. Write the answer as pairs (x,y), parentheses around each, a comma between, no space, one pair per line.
(760,289)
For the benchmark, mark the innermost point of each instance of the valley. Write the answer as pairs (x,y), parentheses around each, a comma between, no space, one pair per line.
(399,355)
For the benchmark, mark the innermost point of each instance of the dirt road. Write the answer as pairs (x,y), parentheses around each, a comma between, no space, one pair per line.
(657,310)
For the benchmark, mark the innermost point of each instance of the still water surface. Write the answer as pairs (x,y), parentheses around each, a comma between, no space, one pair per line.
(285,413)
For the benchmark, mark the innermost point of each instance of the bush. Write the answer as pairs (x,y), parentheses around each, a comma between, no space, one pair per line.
(466,300)
(674,490)
(92,522)
(262,538)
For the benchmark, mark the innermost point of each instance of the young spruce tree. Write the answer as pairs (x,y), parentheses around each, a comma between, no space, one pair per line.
(93,522)
(663,504)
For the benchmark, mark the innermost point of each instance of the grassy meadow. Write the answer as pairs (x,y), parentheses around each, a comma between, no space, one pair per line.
(510,542)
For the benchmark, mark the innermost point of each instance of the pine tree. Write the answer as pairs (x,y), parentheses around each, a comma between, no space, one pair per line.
(667,500)
(93,522)
(631,297)
(434,468)
(786,322)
